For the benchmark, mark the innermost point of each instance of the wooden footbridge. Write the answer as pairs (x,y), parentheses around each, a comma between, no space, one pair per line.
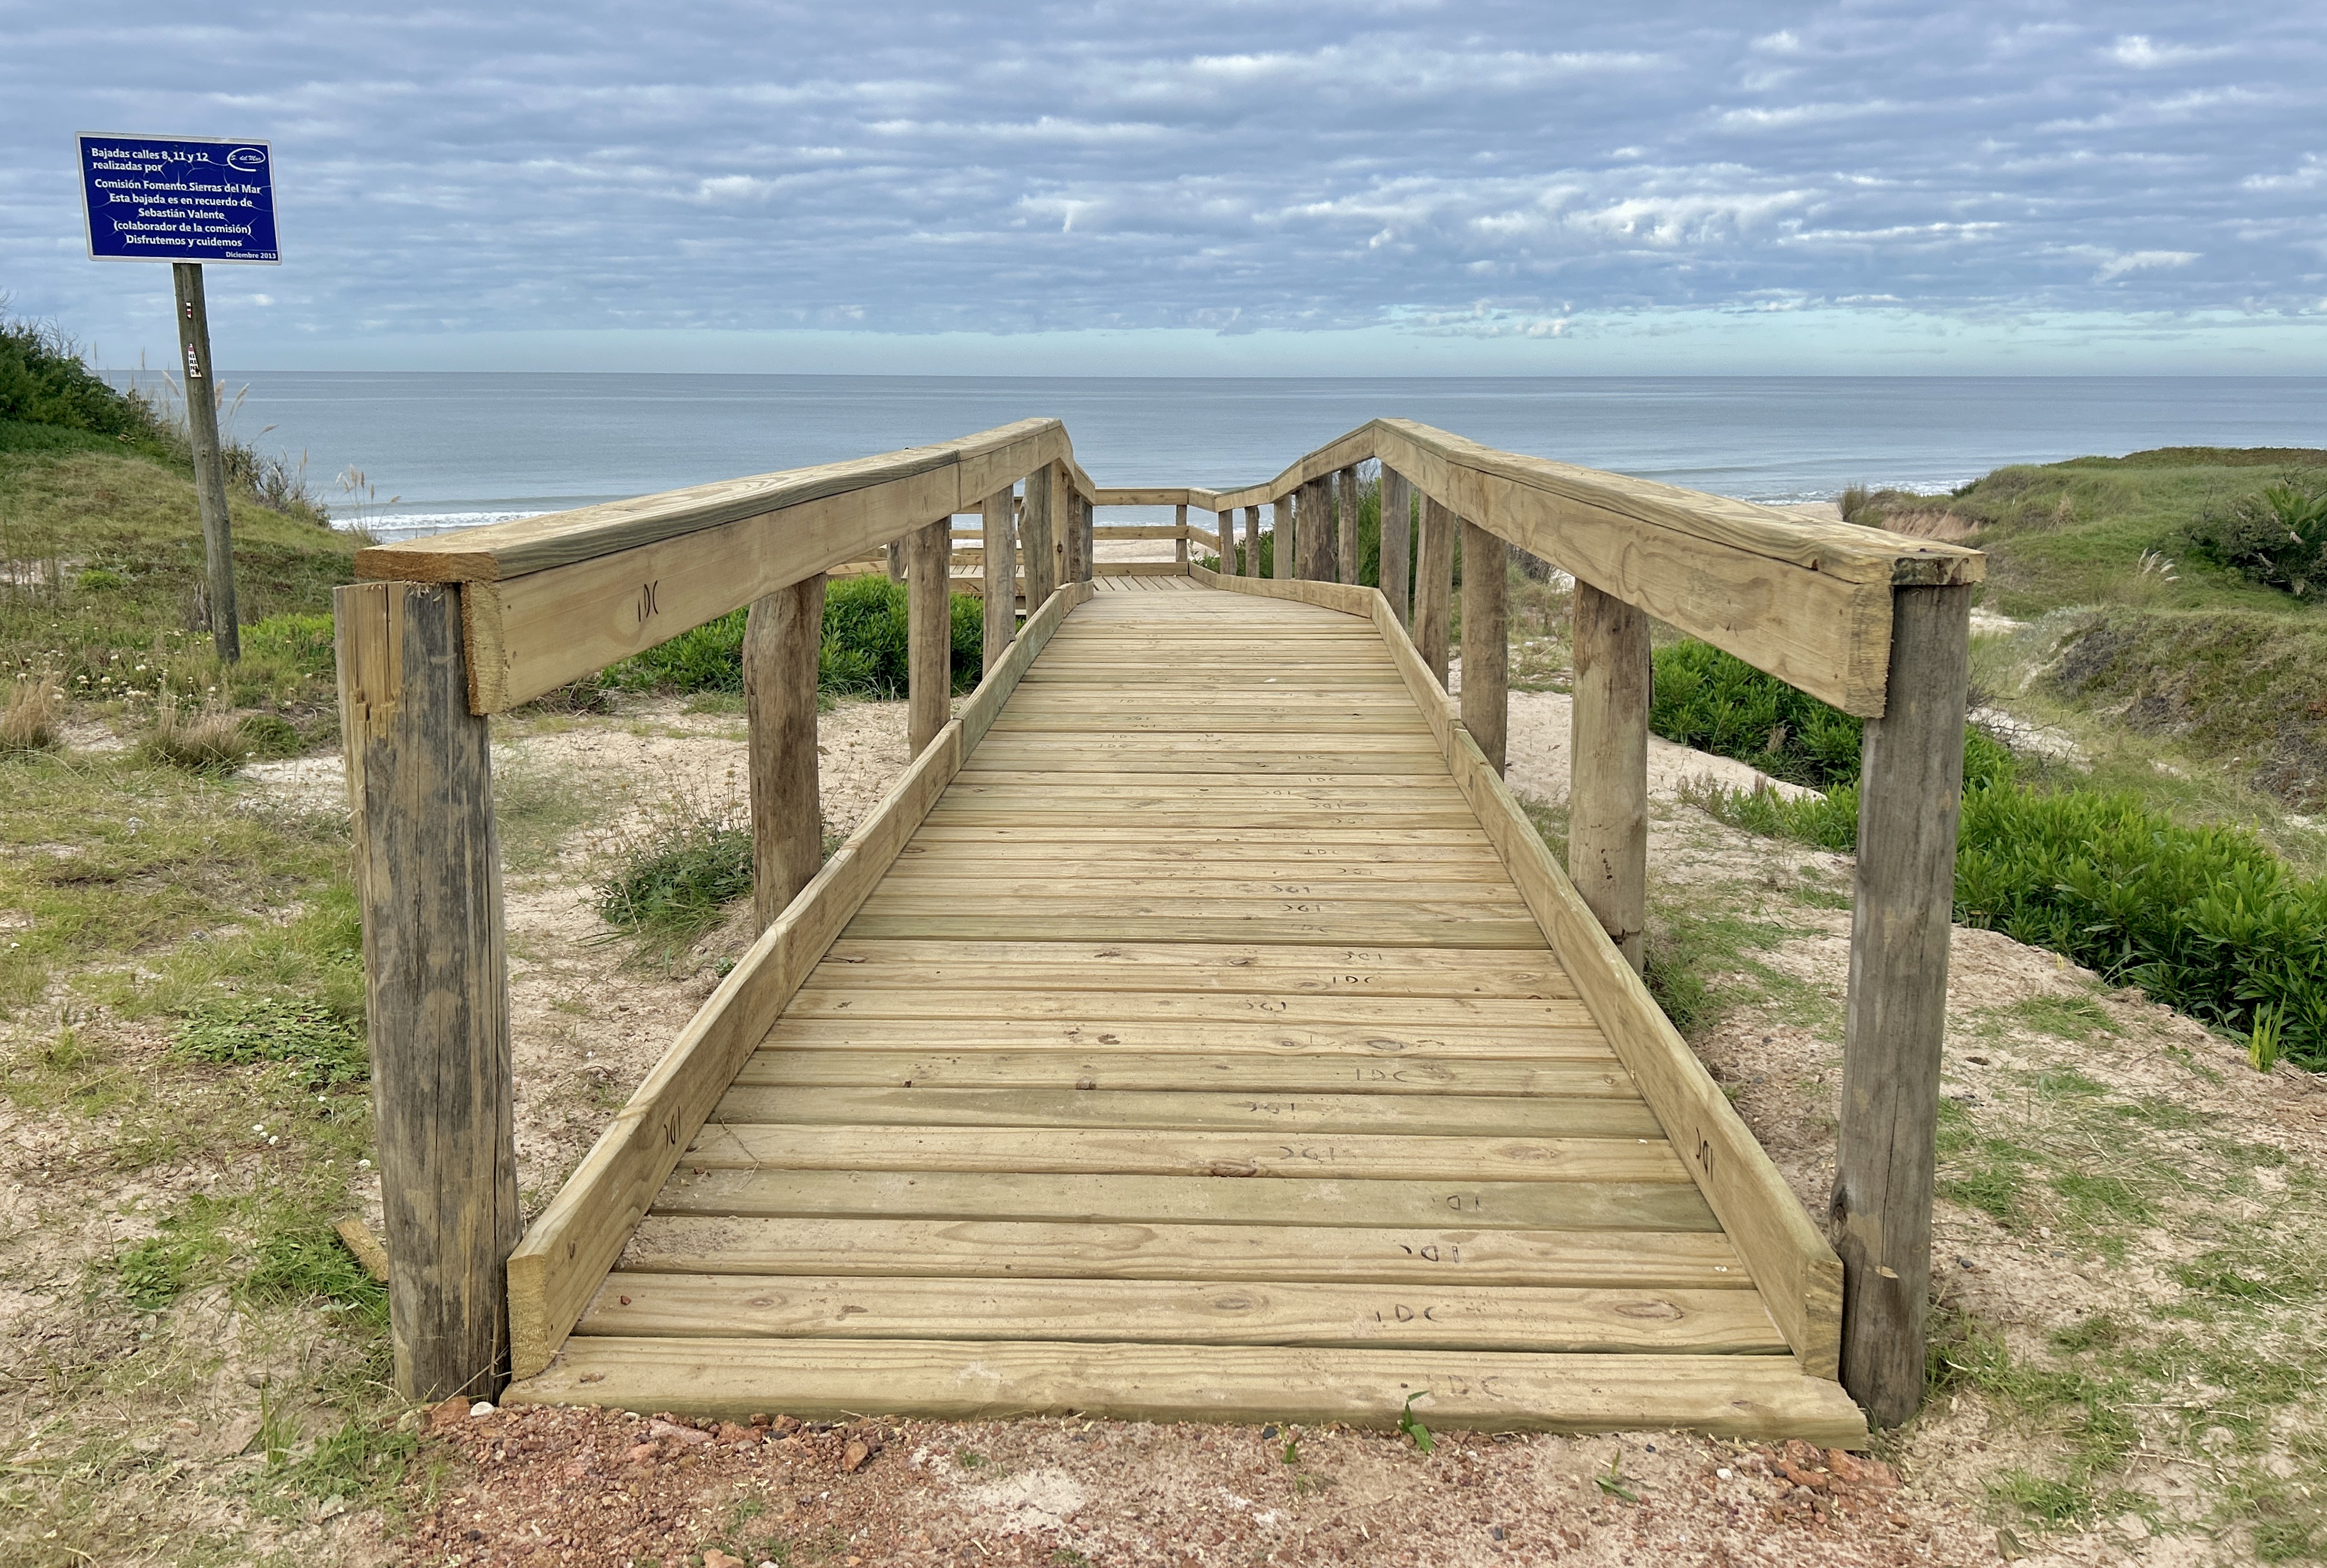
(1199,1028)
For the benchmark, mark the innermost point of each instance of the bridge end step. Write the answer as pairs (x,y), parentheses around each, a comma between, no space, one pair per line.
(1762,1397)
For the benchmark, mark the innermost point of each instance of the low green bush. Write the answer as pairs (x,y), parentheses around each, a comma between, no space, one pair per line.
(675,887)
(863,651)
(2276,537)
(2207,921)
(245,1030)
(43,380)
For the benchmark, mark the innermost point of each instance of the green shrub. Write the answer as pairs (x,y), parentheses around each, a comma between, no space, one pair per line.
(1716,702)
(673,888)
(242,1030)
(44,381)
(864,652)
(2204,920)
(2276,538)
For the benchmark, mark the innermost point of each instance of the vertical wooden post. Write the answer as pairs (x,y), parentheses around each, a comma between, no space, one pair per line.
(1180,540)
(1001,577)
(1226,522)
(1252,541)
(1486,642)
(1608,766)
(1041,556)
(892,557)
(928,633)
(1080,565)
(1396,538)
(1910,797)
(428,873)
(1353,557)
(782,636)
(1281,536)
(1314,521)
(1433,586)
(209,464)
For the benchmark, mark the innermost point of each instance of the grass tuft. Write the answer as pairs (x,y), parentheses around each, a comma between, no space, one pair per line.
(205,740)
(240,1031)
(34,715)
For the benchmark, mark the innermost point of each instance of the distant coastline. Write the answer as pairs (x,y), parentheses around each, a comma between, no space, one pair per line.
(455,449)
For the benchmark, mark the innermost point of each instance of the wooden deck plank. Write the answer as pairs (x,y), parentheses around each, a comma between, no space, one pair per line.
(1625,1206)
(1304,1115)
(1127,1005)
(1757,1396)
(1075,1150)
(863,1067)
(1353,1041)
(1108,964)
(1175,1311)
(1014,1249)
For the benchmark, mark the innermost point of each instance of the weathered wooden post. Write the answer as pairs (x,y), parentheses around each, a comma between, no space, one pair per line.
(1001,577)
(1225,521)
(1345,533)
(427,874)
(1486,642)
(1081,566)
(1283,536)
(1034,541)
(1910,797)
(781,635)
(928,633)
(1180,537)
(1608,766)
(1433,587)
(1252,541)
(892,557)
(200,383)
(1317,540)
(1397,537)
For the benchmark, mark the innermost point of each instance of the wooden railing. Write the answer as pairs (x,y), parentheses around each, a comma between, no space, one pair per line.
(449,630)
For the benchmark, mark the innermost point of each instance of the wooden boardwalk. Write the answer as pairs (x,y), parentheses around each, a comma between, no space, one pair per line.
(1196,1056)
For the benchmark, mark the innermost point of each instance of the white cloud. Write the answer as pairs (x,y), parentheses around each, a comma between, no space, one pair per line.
(2116,266)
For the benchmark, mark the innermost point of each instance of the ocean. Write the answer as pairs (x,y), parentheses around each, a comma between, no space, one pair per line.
(439,451)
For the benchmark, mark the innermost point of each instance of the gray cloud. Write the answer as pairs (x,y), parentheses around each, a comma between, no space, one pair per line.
(1491,169)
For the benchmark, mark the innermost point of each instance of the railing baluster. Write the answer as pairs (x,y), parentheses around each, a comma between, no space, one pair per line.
(1180,543)
(928,633)
(1608,766)
(1486,644)
(1281,537)
(1397,541)
(1433,586)
(1001,577)
(781,635)
(1036,540)
(1345,533)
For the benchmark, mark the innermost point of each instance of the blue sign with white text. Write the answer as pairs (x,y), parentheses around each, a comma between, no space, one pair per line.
(178,198)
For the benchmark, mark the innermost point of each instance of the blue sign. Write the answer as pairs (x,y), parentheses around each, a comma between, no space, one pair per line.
(178,198)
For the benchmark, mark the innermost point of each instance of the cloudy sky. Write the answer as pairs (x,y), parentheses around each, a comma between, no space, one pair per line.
(1230,185)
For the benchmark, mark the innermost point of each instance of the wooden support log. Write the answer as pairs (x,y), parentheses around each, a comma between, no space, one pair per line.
(928,635)
(781,635)
(1352,490)
(1608,766)
(1910,797)
(1001,577)
(1251,542)
(1180,540)
(1433,587)
(1082,564)
(892,557)
(427,875)
(1314,523)
(1486,644)
(1036,528)
(1396,543)
(1283,536)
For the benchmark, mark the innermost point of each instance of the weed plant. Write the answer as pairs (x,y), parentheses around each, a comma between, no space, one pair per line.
(675,886)
(2276,537)
(327,1048)
(2205,919)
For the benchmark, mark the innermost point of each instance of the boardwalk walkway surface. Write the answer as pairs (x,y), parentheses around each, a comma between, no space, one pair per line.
(1197,1057)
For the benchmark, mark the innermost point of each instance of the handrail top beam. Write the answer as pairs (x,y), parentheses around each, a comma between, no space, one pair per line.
(496,552)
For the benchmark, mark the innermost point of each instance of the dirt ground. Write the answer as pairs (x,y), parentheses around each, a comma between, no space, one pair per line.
(583,1487)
